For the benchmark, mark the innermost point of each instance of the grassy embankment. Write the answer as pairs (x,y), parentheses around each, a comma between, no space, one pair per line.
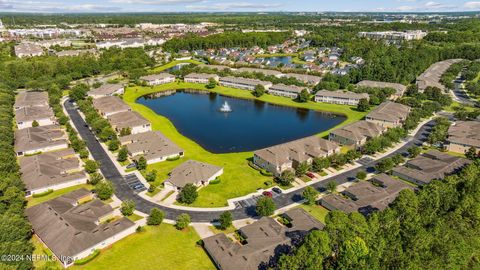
(238,178)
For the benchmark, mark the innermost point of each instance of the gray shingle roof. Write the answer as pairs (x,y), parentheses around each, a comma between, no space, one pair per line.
(68,229)
(192,172)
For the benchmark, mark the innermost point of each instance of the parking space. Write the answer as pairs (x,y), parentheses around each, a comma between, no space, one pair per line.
(134,183)
(252,201)
(365,161)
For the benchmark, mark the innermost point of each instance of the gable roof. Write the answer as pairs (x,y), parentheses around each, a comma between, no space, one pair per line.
(31,98)
(191,172)
(105,90)
(68,228)
(298,150)
(390,111)
(51,168)
(32,138)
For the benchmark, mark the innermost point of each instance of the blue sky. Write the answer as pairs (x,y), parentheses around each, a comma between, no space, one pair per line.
(235,5)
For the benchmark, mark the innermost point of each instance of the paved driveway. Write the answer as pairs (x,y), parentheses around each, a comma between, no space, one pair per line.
(244,209)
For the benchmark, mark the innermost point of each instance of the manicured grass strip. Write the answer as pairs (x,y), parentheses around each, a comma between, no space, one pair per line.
(172,64)
(134,217)
(56,193)
(238,179)
(159,247)
(317,211)
(41,250)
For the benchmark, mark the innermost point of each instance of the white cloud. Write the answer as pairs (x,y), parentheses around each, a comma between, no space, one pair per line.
(232,6)
(472,5)
(155,2)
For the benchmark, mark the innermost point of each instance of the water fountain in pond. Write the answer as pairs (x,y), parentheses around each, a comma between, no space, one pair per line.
(225,108)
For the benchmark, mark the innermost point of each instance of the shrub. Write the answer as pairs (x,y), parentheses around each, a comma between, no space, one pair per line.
(151,176)
(188,194)
(140,229)
(183,220)
(127,207)
(173,158)
(215,181)
(95,178)
(45,193)
(225,220)
(156,217)
(91,166)
(104,190)
(361,175)
(87,259)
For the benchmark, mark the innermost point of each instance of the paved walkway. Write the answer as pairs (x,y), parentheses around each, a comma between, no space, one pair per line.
(245,207)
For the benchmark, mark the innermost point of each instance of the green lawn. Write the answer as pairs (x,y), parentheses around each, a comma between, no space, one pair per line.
(134,217)
(238,178)
(317,211)
(41,250)
(57,193)
(172,64)
(159,247)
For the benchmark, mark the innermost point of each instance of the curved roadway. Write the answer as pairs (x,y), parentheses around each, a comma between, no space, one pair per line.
(124,192)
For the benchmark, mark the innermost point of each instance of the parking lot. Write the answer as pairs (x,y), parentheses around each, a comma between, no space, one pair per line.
(134,183)
(252,201)
(365,161)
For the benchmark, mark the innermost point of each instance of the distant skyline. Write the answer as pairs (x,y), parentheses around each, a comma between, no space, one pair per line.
(77,6)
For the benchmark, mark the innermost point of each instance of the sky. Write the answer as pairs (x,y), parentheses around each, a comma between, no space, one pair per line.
(75,6)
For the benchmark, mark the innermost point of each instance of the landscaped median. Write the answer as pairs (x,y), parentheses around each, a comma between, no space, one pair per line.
(238,178)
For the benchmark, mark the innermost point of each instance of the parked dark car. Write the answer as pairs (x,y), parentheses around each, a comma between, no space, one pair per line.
(277,190)
(311,175)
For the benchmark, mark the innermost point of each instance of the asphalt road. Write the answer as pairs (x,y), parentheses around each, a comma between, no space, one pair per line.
(462,95)
(124,192)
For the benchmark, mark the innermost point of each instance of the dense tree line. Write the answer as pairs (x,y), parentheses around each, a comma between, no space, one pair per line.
(44,72)
(225,40)
(437,228)
(15,231)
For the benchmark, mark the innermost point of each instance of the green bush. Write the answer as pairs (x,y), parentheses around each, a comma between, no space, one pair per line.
(45,193)
(255,167)
(265,172)
(214,182)
(90,257)
(173,158)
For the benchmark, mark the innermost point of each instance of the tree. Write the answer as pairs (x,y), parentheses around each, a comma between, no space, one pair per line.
(414,151)
(141,163)
(113,145)
(156,217)
(104,190)
(303,96)
(95,178)
(310,195)
(332,186)
(385,165)
(182,222)
(472,153)
(35,123)
(188,194)
(265,206)
(286,178)
(225,220)
(90,166)
(151,176)
(320,163)
(122,154)
(259,90)
(361,175)
(211,83)
(127,207)
(363,105)
(125,131)
(83,153)
(302,169)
